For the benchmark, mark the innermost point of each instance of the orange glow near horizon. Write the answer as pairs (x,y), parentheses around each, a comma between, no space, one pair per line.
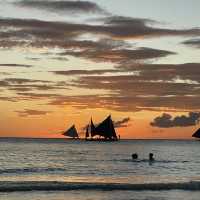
(53,124)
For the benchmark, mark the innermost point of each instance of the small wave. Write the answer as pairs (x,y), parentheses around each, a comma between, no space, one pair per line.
(29,170)
(9,186)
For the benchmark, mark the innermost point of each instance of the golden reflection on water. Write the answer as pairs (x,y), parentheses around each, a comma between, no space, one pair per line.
(136,179)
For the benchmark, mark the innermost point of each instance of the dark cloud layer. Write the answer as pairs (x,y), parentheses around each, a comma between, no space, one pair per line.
(113,26)
(155,87)
(23,84)
(71,7)
(24,80)
(127,103)
(148,86)
(193,42)
(164,72)
(29,112)
(167,121)
(145,86)
(15,65)
(28,33)
(50,34)
(30,96)
(122,123)
(85,72)
(25,33)
(126,27)
(130,85)
(11,99)
(122,55)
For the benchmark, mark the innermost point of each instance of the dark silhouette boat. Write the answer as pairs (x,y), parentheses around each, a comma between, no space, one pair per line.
(104,131)
(197,134)
(71,133)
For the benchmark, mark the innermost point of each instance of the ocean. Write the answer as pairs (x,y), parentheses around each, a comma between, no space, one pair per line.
(60,169)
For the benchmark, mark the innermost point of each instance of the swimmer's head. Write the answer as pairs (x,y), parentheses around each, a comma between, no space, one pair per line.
(151,156)
(134,156)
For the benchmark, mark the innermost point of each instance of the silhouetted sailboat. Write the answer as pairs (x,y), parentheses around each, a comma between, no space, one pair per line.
(197,134)
(105,130)
(71,132)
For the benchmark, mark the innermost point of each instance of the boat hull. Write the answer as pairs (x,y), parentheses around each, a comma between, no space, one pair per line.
(100,140)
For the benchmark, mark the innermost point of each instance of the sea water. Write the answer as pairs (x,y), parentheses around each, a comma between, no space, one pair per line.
(58,169)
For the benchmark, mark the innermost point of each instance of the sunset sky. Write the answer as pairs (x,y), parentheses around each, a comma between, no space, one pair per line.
(63,62)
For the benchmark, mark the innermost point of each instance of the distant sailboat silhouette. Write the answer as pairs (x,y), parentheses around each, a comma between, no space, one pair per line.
(105,130)
(71,132)
(197,134)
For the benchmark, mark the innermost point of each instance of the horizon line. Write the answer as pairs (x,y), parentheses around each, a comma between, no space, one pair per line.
(84,138)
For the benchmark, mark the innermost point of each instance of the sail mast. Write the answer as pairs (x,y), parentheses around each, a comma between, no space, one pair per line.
(92,129)
(87,132)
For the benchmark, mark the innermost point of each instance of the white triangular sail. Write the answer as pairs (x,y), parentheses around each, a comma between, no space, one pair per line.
(71,132)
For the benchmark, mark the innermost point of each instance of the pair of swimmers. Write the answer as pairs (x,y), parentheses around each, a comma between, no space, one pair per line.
(135,156)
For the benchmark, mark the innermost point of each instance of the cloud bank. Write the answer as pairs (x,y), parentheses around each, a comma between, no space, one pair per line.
(125,86)
(38,33)
(193,42)
(122,123)
(167,121)
(76,7)
(16,65)
(30,112)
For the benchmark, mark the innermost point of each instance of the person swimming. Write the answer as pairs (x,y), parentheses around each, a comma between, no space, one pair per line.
(134,156)
(151,158)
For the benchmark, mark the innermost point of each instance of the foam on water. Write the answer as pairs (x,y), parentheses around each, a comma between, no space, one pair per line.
(65,186)
(29,170)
